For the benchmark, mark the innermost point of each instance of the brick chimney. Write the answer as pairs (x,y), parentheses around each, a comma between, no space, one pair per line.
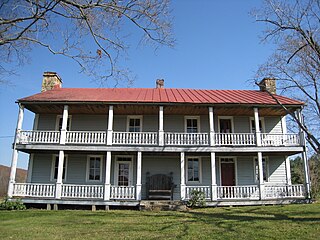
(51,80)
(160,83)
(268,84)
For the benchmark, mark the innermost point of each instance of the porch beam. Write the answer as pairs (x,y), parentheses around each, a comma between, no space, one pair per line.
(211,125)
(60,175)
(161,131)
(213,177)
(107,185)
(182,176)
(139,168)
(110,125)
(261,181)
(257,126)
(14,159)
(63,129)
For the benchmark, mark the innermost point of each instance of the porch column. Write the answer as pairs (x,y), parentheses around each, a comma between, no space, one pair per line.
(304,156)
(261,181)
(110,126)
(213,177)
(182,177)
(288,170)
(14,158)
(60,174)
(107,178)
(211,125)
(63,131)
(257,126)
(138,185)
(161,132)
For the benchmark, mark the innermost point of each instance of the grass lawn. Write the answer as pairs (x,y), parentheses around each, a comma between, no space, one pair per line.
(268,222)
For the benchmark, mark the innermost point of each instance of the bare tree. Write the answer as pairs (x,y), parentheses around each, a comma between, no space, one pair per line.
(94,33)
(294,27)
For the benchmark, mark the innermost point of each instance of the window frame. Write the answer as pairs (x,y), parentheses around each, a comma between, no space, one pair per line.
(88,168)
(116,169)
(199,166)
(261,119)
(140,117)
(58,121)
(226,117)
(53,167)
(256,166)
(186,118)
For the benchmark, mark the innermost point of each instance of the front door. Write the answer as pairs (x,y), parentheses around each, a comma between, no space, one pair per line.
(123,171)
(228,172)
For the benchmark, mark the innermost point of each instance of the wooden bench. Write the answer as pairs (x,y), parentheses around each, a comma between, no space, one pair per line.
(159,187)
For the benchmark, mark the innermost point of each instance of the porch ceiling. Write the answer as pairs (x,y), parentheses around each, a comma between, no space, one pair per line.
(151,109)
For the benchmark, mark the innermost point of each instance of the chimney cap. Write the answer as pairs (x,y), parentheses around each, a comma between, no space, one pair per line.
(52,74)
(268,84)
(160,83)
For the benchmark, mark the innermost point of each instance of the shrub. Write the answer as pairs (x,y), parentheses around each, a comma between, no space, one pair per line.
(197,199)
(13,204)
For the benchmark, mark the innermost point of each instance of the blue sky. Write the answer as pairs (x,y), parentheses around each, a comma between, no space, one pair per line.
(218,47)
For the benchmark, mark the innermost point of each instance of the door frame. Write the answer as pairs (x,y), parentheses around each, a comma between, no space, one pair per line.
(116,169)
(235,169)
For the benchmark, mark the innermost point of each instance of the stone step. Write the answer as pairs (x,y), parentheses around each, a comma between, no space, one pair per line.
(162,205)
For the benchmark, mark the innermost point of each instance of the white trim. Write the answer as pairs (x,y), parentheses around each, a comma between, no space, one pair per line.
(200,169)
(226,117)
(58,120)
(192,117)
(54,156)
(266,159)
(88,168)
(263,126)
(235,162)
(134,117)
(116,168)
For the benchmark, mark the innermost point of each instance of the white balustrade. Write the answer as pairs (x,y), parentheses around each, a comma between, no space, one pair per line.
(205,189)
(82,191)
(135,138)
(86,137)
(33,190)
(122,192)
(35,136)
(238,192)
(284,191)
(270,139)
(233,139)
(200,139)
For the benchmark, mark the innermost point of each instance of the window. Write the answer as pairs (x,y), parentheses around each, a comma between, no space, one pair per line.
(264,169)
(59,122)
(193,173)
(55,166)
(225,124)
(192,124)
(134,124)
(253,125)
(94,168)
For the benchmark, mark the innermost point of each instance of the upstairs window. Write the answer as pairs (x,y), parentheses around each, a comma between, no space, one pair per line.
(94,168)
(134,124)
(253,125)
(59,123)
(192,124)
(225,124)
(193,173)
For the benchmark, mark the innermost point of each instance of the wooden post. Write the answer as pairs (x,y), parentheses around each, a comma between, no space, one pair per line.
(107,177)
(139,169)
(261,181)
(63,131)
(110,126)
(14,159)
(257,126)
(161,131)
(211,124)
(182,177)
(213,177)
(60,174)
(288,170)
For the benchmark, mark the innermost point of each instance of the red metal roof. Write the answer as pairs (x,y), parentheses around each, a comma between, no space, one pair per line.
(156,95)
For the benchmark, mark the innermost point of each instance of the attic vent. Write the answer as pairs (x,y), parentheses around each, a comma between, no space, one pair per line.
(160,83)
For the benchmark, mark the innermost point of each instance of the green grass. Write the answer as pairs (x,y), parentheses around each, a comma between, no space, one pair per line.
(269,222)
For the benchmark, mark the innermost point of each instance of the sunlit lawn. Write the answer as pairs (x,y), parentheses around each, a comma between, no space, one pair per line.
(268,222)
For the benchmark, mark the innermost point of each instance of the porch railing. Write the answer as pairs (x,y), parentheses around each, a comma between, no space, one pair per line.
(205,189)
(239,139)
(82,191)
(284,191)
(186,138)
(35,136)
(268,139)
(86,137)
(238,192)
(135,138)
(122,192)
(33,190)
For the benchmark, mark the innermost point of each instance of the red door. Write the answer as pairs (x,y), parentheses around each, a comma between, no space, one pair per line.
(227,174)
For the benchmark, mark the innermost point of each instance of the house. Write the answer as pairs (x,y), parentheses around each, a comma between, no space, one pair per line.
(117,146)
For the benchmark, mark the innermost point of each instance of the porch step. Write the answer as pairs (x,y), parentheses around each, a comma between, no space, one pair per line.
(162,205)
